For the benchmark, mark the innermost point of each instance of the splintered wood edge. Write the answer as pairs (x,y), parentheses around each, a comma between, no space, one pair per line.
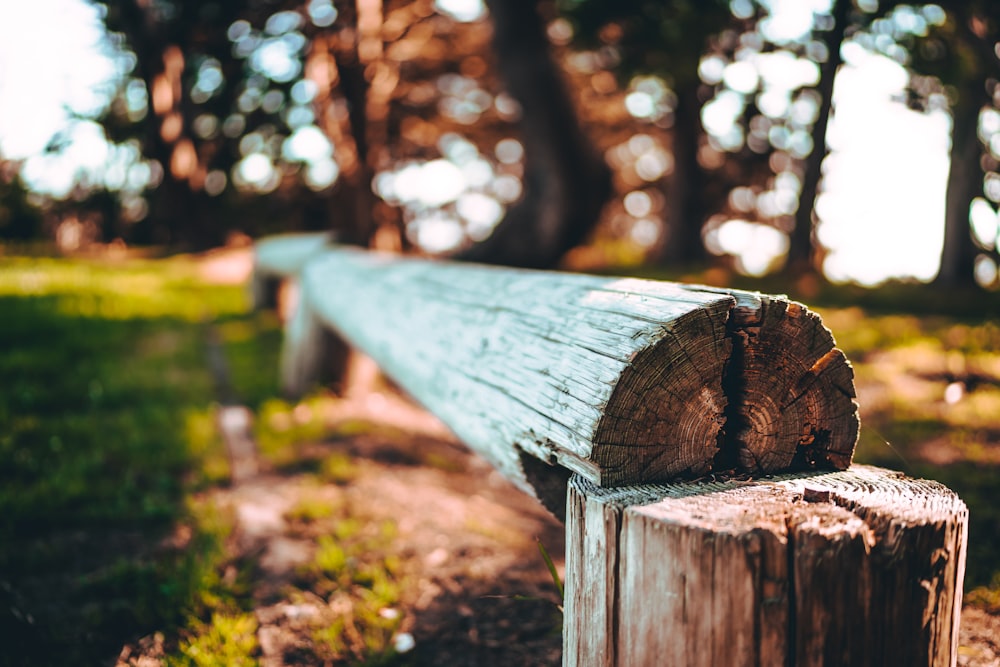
(863,566)
(871,492)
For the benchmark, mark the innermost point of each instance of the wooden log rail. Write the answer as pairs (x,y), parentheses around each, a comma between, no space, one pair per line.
(622,381)
(624,405)
(280,258)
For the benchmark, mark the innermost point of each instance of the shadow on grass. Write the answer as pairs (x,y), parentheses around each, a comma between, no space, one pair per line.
(95,458)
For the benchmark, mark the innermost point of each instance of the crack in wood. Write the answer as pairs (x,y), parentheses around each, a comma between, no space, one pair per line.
(633,381)
(790,391)
(862,566)
(733,454)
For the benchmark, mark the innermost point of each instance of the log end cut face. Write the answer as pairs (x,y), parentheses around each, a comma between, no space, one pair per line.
(795,396)
(664,417)
(756,386)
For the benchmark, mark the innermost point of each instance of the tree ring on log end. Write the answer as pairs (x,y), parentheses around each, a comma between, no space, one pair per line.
(665,413)
(797,409)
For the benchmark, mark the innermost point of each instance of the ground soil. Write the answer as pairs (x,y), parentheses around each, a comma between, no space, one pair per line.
(477,590)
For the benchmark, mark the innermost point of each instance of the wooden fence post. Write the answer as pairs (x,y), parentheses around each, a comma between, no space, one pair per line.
(279,258)
(311,351)
(856,567)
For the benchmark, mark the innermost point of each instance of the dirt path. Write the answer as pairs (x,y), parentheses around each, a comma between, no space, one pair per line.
(474,587)
(479,592)
(465,535)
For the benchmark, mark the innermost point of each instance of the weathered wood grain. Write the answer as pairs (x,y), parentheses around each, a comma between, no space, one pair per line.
(615,379)
(856,567)
(621,380)
(281,257)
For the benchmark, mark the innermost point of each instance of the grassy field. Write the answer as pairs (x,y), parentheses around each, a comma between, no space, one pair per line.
(109,451)
(106,439)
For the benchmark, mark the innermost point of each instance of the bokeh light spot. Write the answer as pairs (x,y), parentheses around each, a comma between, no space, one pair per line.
(461,10)
(509,151)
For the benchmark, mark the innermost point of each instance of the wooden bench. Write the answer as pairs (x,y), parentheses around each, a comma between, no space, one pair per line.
(697,442)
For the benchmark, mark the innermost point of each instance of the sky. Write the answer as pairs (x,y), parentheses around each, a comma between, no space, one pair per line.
(37,79)
(882,208)
(884,187)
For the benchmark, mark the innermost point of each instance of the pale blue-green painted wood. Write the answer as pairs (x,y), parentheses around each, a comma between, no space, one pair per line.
(282,257)
(621,380)
(526,362)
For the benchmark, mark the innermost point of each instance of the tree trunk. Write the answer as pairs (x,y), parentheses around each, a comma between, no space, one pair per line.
(566,182)
(682,244)
(178,208)
(355,193)
(965,178)
(801,241)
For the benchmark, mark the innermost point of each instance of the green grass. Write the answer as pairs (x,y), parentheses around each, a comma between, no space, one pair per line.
(915,357)
(227,640)
(309,510)
(282,427)
(252,343)
(86,399)
(107,445)
(354,567)
(105,433)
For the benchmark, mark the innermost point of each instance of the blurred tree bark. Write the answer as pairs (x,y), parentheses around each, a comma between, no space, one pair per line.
(681,243)
(18,219)
(566,181)
(971,69)
(356,199)
(179,209)
(801,242)
(668,40)
(965,183)
(171,43)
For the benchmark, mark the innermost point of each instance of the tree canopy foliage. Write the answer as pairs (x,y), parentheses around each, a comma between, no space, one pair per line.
(514,135)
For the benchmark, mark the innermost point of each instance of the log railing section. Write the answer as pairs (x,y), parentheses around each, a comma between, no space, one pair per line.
(622,381)
(696,440)
(279,258)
